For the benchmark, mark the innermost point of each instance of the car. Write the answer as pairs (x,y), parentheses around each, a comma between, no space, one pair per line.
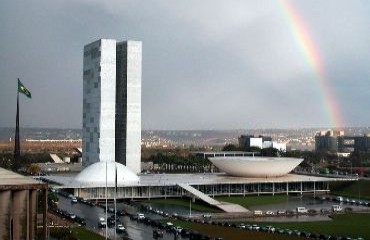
(72,216)
(301,210)
(270,229)
(74,200)
(241,226)
(102,224)
(255,227)
(270,213)
(177,229)
(120,228)
(339,199)
(140,216)
(336,208)
(169,225)
(257,213)
(157,233)
(281,212)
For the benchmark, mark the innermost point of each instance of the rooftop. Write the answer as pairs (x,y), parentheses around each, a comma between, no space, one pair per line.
(9,179)
(195,179)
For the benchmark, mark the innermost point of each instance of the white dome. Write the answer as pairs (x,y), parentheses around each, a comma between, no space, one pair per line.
(95,174)
(256,166)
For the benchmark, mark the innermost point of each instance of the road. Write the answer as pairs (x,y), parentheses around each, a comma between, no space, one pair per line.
(135,230)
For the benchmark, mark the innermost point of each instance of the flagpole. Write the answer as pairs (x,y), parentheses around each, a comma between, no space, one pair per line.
(17,150)
(106,200)
(115,202)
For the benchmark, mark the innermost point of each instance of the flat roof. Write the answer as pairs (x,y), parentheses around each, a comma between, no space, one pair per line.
(9,180)
(197,179)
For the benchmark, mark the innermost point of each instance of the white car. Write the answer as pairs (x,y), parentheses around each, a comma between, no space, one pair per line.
(270,213)
(302,210)
(255,227)
(140,216)
(120,228)
(177,229)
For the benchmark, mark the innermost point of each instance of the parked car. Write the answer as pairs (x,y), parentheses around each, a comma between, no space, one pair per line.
(281,212)
(270,213)
(301,210)
(337,208)
(257,213)
(255,227)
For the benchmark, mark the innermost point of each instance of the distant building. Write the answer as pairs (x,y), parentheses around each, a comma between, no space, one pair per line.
(362,143)
(337,142)
(327,140)
(112,103)
(249,141)
(19,198)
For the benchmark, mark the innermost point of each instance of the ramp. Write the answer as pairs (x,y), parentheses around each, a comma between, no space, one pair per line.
(199,194)
(55,158)
(224,206)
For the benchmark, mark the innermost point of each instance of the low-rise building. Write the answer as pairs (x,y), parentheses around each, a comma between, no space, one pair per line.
(19,208)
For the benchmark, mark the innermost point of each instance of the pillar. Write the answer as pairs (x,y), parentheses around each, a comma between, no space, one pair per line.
(287,188)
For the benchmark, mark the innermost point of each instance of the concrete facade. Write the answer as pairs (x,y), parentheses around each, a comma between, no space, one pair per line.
(112,103)
(99,96)
(18,207)
(128,105)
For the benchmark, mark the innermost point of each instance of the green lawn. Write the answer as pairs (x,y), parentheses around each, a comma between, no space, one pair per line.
(228,233)
(352,224)
(360,188)
(184,202)
(83,233)
(79,233)
(249,201)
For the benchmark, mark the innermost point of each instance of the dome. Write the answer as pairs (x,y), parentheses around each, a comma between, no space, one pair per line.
(95,175)
(256,166)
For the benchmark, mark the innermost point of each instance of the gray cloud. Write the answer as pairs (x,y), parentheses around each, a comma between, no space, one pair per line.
(206,64)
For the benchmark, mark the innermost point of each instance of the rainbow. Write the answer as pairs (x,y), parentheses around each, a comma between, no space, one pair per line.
(311,54)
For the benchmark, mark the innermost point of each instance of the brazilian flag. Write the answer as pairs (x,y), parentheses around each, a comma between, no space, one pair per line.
(23,89)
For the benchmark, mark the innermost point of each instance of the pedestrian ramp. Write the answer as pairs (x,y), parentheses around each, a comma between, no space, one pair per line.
(55,158)
(225,206)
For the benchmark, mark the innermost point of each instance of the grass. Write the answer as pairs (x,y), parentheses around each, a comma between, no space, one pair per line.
(83,233)
(228,233)
(356,189)
(249,201)
(184,202)
(79,233)
(351,224)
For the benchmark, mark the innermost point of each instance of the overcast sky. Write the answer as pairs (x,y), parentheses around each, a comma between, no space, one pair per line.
(206,64)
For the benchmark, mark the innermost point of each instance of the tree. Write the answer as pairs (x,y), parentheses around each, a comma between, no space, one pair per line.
(33,169)
(230,148)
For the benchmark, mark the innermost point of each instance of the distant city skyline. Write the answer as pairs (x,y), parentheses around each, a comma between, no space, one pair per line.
(206,65)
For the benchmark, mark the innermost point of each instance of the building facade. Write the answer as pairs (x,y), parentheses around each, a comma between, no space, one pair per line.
(112,103)
(128,104)
(336,141)
(21,217)
(249,141)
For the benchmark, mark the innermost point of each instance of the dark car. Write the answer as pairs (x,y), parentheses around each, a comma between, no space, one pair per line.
(157,233)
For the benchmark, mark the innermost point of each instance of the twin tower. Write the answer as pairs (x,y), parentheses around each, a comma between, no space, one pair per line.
(112,103)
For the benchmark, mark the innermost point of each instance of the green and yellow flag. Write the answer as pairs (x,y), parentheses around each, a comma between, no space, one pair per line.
(23,89)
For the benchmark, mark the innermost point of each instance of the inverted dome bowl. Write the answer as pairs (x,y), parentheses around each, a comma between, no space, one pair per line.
(256,166)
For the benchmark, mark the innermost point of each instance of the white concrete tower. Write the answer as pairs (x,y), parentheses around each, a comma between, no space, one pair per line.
(99,102)
(112,103)
(128,105)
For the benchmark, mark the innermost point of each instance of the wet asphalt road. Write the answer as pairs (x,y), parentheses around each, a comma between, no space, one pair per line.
(135,230)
